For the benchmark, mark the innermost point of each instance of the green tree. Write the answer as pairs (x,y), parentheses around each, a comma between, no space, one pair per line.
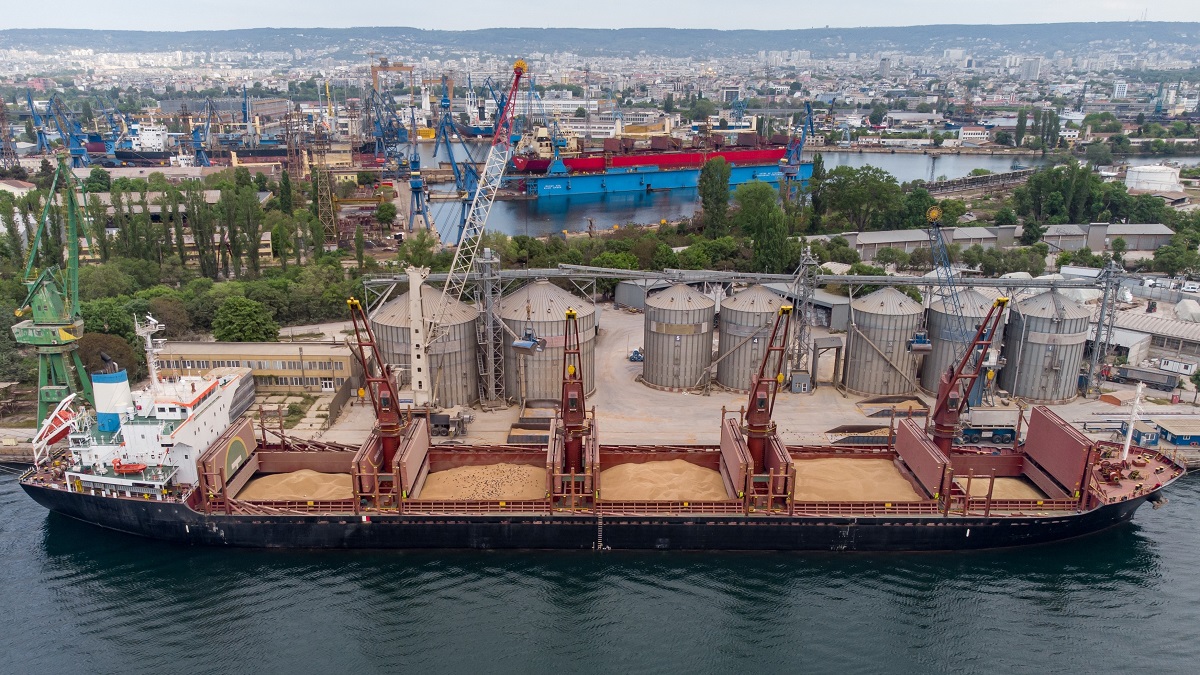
(285,193)
(240,319)
(861,194)
(385,214)
(1004,138)
(1022,123)
(669,103)
(417,249)
(1099,154)
(172,313)
(1032,233)
(891,256)
(1119,248)
(878,111)
(98,180)
(1005,216)
(103,281)
(816,195)
(714,196)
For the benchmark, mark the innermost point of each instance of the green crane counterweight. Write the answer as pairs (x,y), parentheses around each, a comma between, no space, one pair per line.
(52,302)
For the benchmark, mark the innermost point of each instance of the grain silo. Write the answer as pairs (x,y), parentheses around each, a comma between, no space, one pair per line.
(541,307)
(877,358)
(746,322)
(946,347)
(452,362)
(1046,336)
(679,337)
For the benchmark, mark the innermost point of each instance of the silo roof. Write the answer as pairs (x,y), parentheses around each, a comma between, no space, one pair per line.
(887,300)
(1050,305)
(544,301)
(754,299)
(974,303)
(395,312)
(680,296)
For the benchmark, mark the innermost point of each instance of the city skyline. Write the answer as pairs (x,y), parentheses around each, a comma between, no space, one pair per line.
(475,14)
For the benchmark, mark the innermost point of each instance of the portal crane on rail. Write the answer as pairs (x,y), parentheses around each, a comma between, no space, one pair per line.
(466,177)
(71,132)
(52,302)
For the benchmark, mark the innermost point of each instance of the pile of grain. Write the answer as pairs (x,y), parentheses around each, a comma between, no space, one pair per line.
(838,479)
(303,485)
(673,480)
(1006,488)
(490,482)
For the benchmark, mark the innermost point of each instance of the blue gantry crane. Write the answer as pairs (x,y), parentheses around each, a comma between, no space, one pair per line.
(389,133)
(39,125)
(73,136)
(789,166)
(418,205)
(466,176)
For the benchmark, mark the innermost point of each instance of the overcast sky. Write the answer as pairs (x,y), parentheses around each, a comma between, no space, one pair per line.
(470,14)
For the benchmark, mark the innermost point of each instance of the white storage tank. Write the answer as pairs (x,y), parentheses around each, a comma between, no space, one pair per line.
(1046,336)
(452,360)
(542,307)
(877,358)
(679,337)
(745,327)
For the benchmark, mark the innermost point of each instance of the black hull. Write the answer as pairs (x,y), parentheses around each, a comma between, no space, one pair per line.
(180,524)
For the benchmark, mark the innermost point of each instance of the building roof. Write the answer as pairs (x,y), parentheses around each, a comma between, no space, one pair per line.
(891,236)
(313,349)
(1157,325)
(973,233)
(1118,229)
(1064,231)
(1179,427)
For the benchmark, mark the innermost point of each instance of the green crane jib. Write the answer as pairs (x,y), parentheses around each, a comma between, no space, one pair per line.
(55,326)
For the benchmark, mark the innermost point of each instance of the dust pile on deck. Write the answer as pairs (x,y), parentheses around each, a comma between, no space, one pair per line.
(490,482)
(302,485)
(673,480)
(851,480)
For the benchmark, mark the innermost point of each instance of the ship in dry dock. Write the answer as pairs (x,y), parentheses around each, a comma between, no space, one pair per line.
(143,464)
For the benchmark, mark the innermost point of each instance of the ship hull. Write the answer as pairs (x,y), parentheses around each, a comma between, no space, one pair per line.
(178,523)
(663,160)
(651,179)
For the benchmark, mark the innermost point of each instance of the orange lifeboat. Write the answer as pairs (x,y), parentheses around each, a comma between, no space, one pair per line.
(121,468)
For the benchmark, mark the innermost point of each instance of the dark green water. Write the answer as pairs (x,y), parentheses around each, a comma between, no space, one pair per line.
(76,599)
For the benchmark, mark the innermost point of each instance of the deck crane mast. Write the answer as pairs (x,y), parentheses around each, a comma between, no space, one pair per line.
(958,380)
(55,324)
(377,381)
(425,333)
(573,406)
(764,388)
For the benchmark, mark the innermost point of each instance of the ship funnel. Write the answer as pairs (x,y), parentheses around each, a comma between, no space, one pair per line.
(112,398)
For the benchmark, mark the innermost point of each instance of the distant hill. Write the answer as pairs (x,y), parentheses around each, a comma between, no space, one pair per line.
(822,42)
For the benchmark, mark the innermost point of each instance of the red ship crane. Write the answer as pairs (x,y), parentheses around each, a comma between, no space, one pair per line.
(958,379)
(379,384)
(573,409)
(764,388)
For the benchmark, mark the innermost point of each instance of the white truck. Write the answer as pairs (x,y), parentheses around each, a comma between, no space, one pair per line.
(990,424)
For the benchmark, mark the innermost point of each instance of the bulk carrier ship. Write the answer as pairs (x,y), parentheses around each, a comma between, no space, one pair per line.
(174,461)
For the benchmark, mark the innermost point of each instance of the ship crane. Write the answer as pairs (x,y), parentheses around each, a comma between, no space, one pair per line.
(764,388)
(377,381)
(959,378)
(573,407)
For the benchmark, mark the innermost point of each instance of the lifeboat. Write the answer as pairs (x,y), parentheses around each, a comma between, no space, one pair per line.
(57,424)
(121,468)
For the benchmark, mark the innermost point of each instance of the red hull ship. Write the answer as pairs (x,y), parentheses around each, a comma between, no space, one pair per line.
(690,159)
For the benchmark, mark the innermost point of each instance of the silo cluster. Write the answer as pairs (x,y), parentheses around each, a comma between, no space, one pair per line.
(947,346)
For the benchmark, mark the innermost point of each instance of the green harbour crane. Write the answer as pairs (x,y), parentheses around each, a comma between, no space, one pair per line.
(54,325)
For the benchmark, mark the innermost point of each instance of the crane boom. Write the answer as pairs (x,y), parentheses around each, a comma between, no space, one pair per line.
(466,253)
(765,387)
(959,378)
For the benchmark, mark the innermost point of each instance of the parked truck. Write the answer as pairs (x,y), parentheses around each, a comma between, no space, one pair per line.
(1156,379)
(990,425)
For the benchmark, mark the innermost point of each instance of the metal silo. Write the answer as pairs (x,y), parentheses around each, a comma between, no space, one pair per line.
(746,321)
(679,337)
(452,359)
(877,359)
(541,307)
(1046,336)
(945,347)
